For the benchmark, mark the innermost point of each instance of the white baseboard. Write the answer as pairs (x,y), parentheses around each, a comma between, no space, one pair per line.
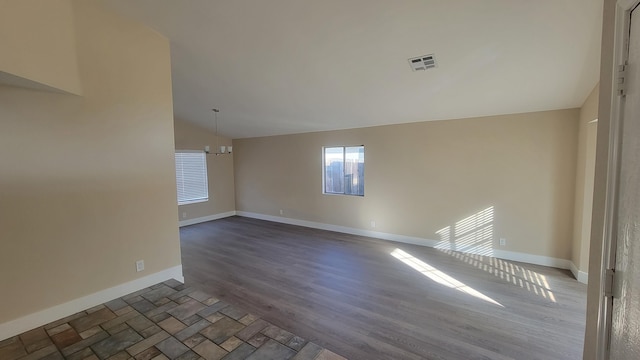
(502,254)
(43,317)
(206,218)
(581,276)
(532,259)
(343,229)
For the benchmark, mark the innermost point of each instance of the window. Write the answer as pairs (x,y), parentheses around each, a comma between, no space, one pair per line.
(191,177)
(344,170)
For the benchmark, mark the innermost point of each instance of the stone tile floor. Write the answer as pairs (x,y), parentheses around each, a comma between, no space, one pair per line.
(164,321)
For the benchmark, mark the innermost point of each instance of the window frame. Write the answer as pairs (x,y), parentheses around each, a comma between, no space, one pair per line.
(344,165)
(205,173)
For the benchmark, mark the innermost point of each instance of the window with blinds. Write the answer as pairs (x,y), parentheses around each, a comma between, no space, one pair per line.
(191,177)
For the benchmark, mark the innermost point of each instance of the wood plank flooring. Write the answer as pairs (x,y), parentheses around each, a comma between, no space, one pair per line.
(365,298)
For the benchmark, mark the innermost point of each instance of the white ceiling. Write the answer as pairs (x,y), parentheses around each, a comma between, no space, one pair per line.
(291,66)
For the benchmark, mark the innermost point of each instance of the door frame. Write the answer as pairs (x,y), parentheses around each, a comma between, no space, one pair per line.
(609,235)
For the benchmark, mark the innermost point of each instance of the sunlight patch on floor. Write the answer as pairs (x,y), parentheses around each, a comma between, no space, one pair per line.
(514,274)
(438,276)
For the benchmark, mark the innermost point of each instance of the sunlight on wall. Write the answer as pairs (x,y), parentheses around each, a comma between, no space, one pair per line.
(438,276)
(473,234)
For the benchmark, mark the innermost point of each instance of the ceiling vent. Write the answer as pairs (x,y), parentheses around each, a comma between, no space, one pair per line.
(422,63)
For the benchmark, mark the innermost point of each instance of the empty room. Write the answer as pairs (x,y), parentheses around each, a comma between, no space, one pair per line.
(356,179)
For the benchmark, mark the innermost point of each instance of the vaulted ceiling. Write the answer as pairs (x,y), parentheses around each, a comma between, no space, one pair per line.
(290,66)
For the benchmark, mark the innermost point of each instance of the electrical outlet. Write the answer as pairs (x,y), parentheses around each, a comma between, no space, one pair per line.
(139,265)
(373,223)
(281,212)
(503,241)
(184,214)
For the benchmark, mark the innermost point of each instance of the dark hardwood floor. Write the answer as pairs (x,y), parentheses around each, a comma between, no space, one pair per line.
(365,298)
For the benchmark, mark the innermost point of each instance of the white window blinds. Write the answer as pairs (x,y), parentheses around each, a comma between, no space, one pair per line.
(191,177)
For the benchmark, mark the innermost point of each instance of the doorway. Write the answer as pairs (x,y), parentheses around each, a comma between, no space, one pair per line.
(619,321)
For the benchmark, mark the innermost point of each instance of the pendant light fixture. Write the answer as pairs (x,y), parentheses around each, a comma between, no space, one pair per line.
(220,149)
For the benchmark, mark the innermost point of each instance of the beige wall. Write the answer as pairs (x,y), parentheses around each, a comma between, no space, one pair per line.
(584,181)
(38,43)
(423,177)
(600,181)
(219,168)
(87,184)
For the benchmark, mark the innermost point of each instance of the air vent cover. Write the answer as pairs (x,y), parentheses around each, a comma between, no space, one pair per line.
(422,63)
